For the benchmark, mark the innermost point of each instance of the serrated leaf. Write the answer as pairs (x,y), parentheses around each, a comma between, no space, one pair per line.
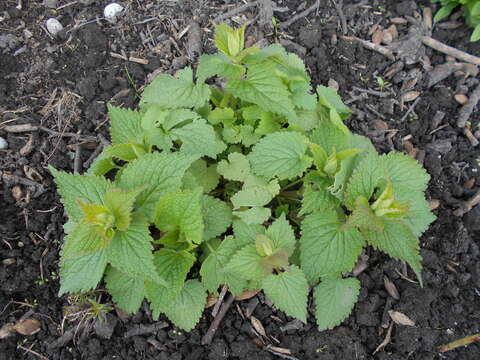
(269,123)
(264,88)
(181,92)
(420,215)
(182,210)
(125,152)
(213,268)
(162,173)
(327,246)
(120,204)
(131,251)
(247,264)
(247,232)
(83,259)
(316,195)
(217,217)
(363,216)
(173,266)
(218,64)
(73,187)
(225,116)
(334,301)
(288,291)
(328,136)
(127,292)
(397,240)
(329,98)
(185,311)
(281,154)
(199,138)
(255,192)
(405,172)
(282,234)
(102,164)
(125,125)
(445,11)
(254,215)
(200,174)
(236,168)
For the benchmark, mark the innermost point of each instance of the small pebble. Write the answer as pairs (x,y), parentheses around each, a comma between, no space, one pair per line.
(461,98)
(112,11)
(54,26)
(3,144)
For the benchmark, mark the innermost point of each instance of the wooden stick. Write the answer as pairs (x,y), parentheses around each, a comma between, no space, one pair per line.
(371,46)
(437,45)
(299,16)
(207,339)
(467,109)
(468,205)
(235,11)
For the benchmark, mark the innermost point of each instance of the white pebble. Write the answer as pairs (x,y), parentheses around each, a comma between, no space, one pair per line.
(111,12)
(3,144)
(54,26)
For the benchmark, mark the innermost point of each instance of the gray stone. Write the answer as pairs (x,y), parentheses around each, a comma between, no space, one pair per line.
(9,41)
(51,4)
(104,329)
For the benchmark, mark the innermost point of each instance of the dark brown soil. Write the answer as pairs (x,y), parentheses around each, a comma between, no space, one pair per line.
(78,68)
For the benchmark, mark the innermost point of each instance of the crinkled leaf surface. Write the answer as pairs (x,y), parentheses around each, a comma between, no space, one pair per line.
(217,216)
(127,292)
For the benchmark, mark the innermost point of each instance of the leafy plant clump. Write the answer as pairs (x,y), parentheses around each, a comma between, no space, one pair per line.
(471,12)
(256,184)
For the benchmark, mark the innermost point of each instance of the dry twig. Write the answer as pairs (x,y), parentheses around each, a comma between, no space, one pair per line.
(233,12)
(219,300)
(371,46)
(468,205)
(207,339)
(341,15)
(299,16)
(437,45)
(467,109)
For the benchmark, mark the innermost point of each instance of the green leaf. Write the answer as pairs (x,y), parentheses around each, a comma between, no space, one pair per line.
(269,123)
(254,215)
(281,154)
(161,172)
(334,301)
(255,192)
(228,40)
(247,264)
(213,268)
(288,291)
(405,172)
(172,93)
(185,311)
(445,11)
(199,138)
(317,196)
(329,98)
(328,136)
(199,174)
(125,125)
(173,266)
(217,217)
(282,234)
(127,292)
(102,164)
(120,203)
(236,168)
(475,34)
(131,251)
(73,187)
(264,88)
(125,152)
(363,216)
(218,64)
(182,210)
(247,233)
(420,215)
(83,259)
(225,116)
(327,246)
(397,240)
(306,120)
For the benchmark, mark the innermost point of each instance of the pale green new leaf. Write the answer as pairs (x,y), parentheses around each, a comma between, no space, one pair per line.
(405,172)
(329,98)
(200,174)
(334,301)
(185,311)
(83,259)
(217,217)
(181,210)
(264,88)
(281,154)
(213,268)
(131,251)
(247,232)
(254,215)
(247,264)
(398,241)
(316,195)
(127,292)
(255,192)
(326,246)
(288,291)
(199,138)
(125,125)
(236,168)
(173,266)
(282,234)
(162,173)
(170,92)
(218,64)
(73,187)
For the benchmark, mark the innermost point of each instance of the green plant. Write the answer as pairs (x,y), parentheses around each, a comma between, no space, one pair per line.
(471,12)
(207,166)
(382,84)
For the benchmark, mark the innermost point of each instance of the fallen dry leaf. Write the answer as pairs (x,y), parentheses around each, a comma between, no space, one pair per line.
(333,84)
(17,192)
(387,38)
(372,29)
(247,295)
(8,261)
(391,288)
(27,326)
(469,183)
(6,330)
(257,325)
(434,204)
(400,318)
(461,99)
(377,37)
(398,20)
(410,96)
(380,124)
(211,300)
(392,29)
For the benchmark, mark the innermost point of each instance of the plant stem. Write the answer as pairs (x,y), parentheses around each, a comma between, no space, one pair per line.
(460,342)
(292,184)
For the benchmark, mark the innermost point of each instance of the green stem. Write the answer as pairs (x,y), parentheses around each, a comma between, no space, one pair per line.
(226,99)
(461,342)
(292,184)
